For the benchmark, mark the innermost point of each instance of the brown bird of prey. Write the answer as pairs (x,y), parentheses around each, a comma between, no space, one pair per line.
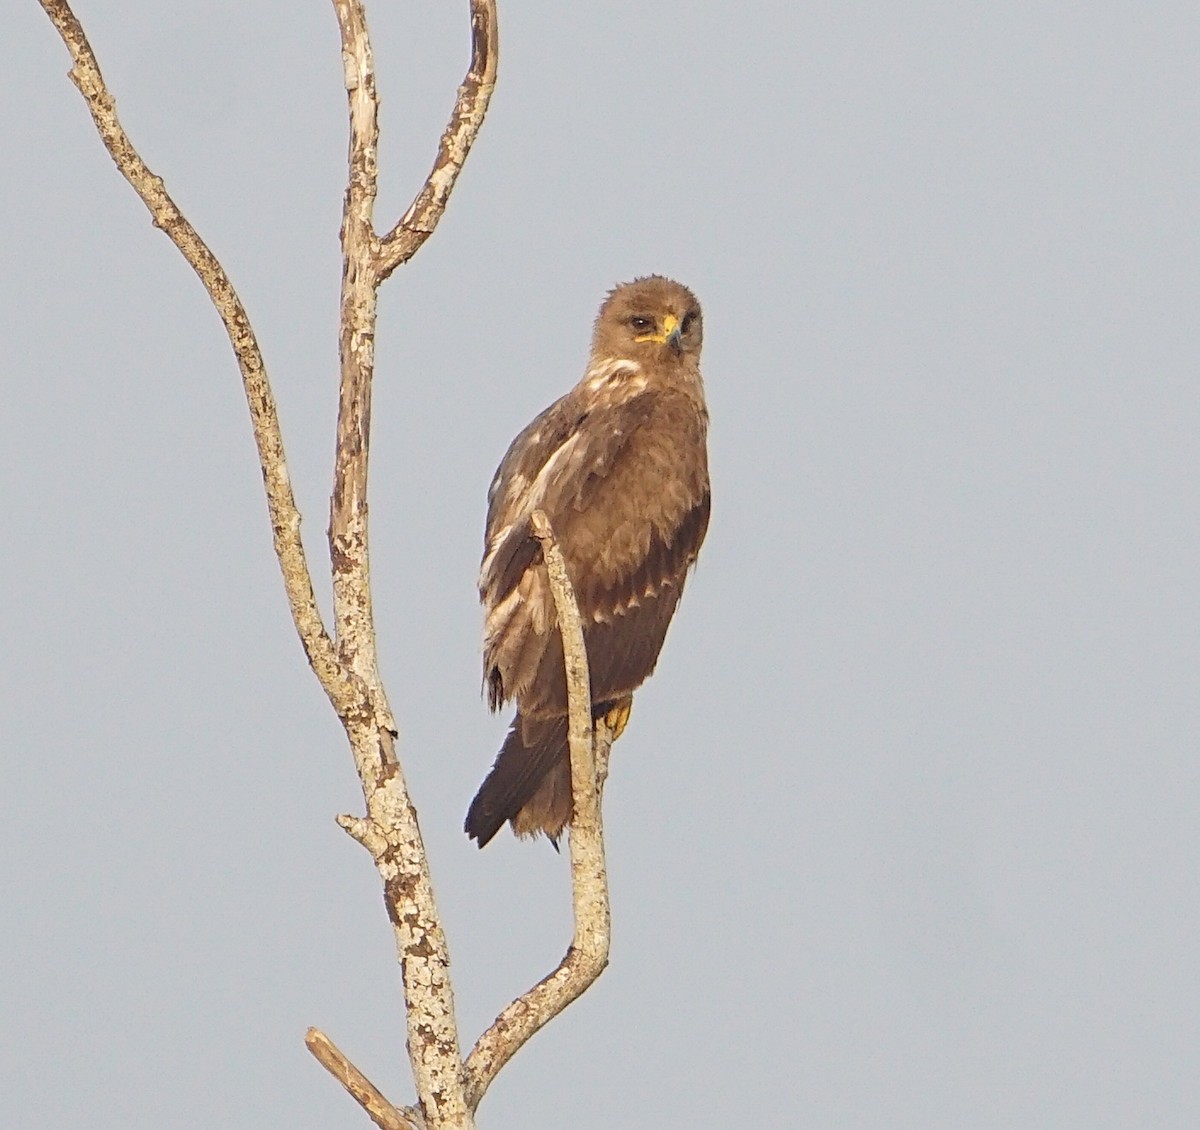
(620,467)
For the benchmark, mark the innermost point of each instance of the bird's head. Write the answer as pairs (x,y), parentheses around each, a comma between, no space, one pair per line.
(649,319)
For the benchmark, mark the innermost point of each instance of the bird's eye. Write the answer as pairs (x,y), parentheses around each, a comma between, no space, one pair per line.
(640,324)
(689,320)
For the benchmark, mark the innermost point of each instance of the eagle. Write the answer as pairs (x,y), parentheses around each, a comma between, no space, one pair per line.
(619,465)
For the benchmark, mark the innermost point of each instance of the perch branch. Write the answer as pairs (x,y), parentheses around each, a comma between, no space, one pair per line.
(365,1093)
(285,517)
(587,956)
(418,223)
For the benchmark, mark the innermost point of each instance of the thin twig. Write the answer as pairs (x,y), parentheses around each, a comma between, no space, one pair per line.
(588,954)
(418,223)
(365,1093)
(285,517)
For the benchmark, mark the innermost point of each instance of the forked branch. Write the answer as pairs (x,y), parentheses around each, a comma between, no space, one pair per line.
(389,831)
(346,662)
(347,670)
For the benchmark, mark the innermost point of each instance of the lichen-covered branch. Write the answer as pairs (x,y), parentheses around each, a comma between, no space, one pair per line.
(346,663)
(390,831)
(353,616)
(285,517)
(470,107)
(587,956)
(347,670)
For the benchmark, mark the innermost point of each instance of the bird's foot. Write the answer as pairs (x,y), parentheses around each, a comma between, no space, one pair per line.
(618,717)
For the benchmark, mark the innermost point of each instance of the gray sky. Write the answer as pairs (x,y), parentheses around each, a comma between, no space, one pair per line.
(903,833)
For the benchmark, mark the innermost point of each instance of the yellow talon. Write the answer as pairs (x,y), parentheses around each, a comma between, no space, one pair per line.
(618,717)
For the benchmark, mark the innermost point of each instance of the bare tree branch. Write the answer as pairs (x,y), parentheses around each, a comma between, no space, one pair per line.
(390,832)
(587,956)
(364,1092)
(347,671)
(417,224)
(347,665)
(285,517)
(353,615)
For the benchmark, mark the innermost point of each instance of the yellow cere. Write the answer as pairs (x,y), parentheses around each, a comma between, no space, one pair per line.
(670,323)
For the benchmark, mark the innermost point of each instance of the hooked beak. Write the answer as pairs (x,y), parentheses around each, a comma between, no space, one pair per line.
(671,334)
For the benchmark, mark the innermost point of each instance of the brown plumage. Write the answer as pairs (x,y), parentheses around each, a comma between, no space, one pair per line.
(620,467)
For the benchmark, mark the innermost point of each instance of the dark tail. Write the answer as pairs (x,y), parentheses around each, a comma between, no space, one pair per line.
(530,764)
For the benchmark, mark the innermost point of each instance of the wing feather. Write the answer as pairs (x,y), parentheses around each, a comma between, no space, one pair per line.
(625,486)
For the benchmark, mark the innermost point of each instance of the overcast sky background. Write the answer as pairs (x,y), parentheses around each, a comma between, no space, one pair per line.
(904,831)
